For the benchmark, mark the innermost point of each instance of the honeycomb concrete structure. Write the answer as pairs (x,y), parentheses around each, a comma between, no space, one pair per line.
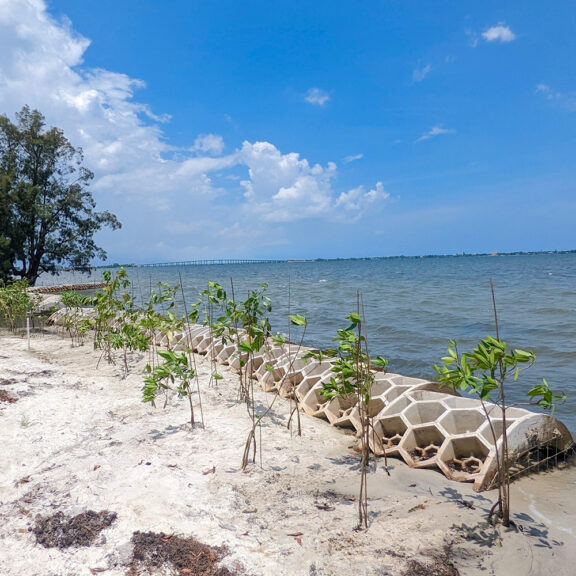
(413,419)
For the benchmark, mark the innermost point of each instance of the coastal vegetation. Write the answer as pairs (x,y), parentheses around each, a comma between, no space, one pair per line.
(47,214)
(15,302)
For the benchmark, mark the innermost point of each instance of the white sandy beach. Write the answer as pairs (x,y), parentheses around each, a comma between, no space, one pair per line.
(79,438)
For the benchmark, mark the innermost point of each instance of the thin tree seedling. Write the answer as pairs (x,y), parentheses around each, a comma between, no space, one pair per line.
(354,377)
(485,373)
(296,320)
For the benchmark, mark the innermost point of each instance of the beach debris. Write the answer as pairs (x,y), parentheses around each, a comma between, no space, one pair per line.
(61,531)
(158,553)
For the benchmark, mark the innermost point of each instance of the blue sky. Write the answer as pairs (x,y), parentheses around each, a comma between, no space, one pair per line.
(228,129)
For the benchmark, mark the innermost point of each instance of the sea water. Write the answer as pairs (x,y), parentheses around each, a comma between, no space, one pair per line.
(413,306)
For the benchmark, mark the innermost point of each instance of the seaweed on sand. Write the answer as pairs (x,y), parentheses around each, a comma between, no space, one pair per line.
(156,552)
(61,531)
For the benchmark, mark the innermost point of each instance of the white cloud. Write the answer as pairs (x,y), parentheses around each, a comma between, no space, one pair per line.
(353,158)
(284,187)
(138,173)
(420,73)
(357,200)
(209,144)
(317,97)
(435,131)
(498,33)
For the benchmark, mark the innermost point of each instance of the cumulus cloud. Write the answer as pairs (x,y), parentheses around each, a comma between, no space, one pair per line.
(498,33)
(358,200)
(437,130)
(317,97)
(138,173)
(420,73)
(285,187)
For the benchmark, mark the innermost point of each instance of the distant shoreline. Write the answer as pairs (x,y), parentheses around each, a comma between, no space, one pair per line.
(208,262)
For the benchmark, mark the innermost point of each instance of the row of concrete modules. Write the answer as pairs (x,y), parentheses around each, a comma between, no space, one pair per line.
(414,419)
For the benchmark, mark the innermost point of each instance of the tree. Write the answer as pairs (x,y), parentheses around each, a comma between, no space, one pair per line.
(47,216)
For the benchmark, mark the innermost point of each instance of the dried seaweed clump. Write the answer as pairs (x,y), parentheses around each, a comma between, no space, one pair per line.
(61,531)
(158,553)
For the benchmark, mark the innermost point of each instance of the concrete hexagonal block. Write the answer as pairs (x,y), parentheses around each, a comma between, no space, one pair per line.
(387,432)
(395,392)
(494,428)
(421,444)
(339,410)
(224,355)
(423,412)
(321,373)
(296,370)
(381,383)
(461,402)
(396,406)
(399,380)
(314,403)
(463,458)
(462,421)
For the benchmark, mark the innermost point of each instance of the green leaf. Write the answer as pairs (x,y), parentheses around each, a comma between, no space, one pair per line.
(380,362)
(297,320)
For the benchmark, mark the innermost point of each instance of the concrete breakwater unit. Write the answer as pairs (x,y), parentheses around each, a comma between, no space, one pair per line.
(66,287)
(414,419)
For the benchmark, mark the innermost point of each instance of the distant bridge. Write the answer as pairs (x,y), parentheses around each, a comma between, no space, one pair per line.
(209,263)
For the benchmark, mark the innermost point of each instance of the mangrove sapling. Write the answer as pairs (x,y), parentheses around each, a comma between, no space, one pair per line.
(117,319)
(354,378)
(250,328)
(189,351)
(485,373)
(300,321)
(15,302)
(212,306)
(154,320)
(295,320)
(256,329)
(174,371)
(106,306)
(76,322)
(162,314)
